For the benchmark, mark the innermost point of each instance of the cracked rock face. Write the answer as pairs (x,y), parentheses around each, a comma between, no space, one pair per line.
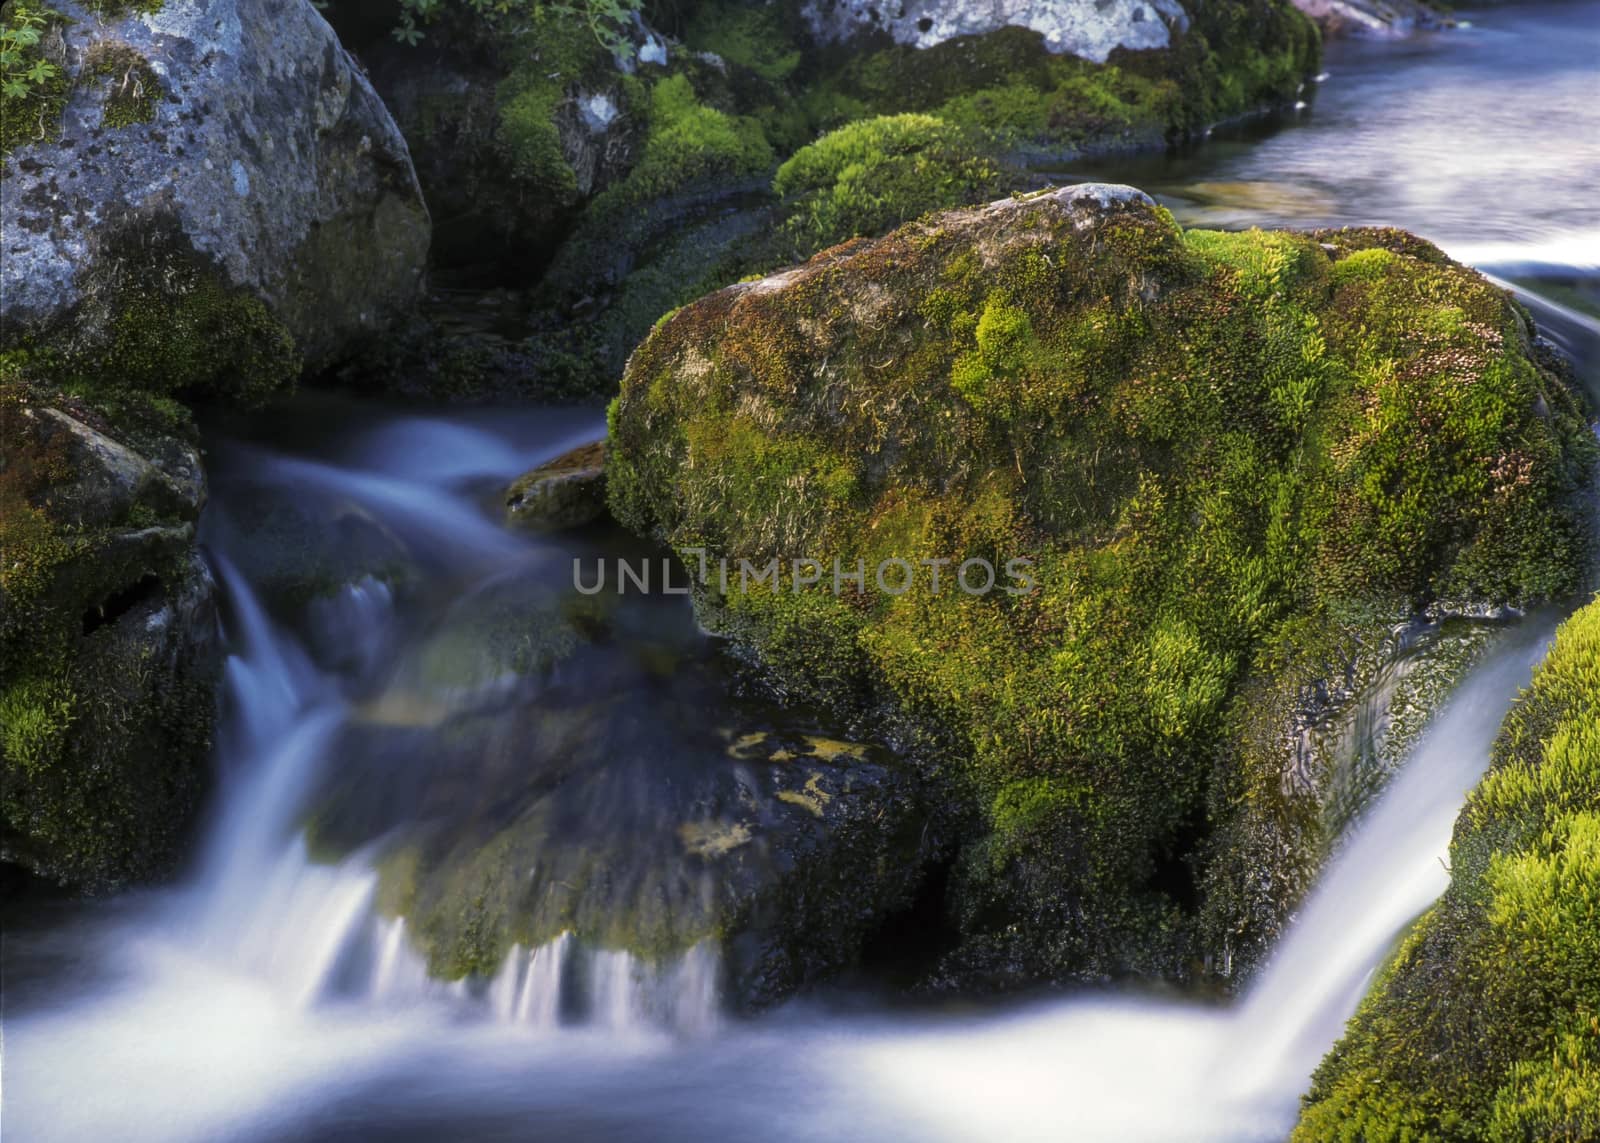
(1091,29)
(264,149)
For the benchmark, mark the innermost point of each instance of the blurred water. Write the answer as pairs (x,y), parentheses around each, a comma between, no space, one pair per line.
(1485,139)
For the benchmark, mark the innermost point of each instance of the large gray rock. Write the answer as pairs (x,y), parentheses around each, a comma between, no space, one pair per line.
(235,137)
(1091,29)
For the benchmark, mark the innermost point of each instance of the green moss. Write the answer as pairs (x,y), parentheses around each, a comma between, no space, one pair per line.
(1196,438)
(36,716)
(872,175)
(197,335)
(1486,1024)
(130,84)
(1236,57)
(689,143)
(31,107)
(555,55)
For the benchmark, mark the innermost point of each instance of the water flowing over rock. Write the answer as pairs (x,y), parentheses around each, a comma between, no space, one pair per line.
(207,149)
(1483,1023)
(1088,28)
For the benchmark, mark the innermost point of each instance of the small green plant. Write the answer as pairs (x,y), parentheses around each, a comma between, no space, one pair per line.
(607,19)
(33,81)
(23,66)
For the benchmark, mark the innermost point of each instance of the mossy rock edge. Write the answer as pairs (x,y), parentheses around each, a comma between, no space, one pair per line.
(1485,1024)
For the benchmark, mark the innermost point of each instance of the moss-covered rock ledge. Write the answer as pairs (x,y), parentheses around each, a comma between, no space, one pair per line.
(197,201)
(109,654)
(1237,462)
(1486,1023)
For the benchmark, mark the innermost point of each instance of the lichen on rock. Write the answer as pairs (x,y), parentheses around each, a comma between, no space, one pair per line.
(1219,451)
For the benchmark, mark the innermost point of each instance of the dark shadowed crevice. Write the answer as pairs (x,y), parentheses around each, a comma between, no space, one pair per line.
(118,604)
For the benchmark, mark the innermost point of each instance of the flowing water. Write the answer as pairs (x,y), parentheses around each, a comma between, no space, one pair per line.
(273,997)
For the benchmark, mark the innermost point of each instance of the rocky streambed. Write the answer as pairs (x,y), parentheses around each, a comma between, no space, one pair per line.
(587,735)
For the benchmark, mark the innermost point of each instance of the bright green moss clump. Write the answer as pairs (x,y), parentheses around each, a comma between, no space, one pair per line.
(689,142)
(1486,1024)
(1198,439)
(872,175)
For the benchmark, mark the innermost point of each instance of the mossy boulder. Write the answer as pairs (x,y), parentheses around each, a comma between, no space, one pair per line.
(1225,457)
(108,645)
(1038,104)
(217,198)
(1485,1024)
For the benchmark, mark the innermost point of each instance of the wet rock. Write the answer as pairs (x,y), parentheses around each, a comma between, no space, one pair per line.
(1374,17)
(567,492)
(252,210)
(298,543)
(109,650)
(576,779)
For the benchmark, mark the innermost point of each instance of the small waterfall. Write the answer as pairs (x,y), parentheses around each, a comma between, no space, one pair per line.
(1390,870)
(607,988)
(528,988)
(311,930)
(539,999)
